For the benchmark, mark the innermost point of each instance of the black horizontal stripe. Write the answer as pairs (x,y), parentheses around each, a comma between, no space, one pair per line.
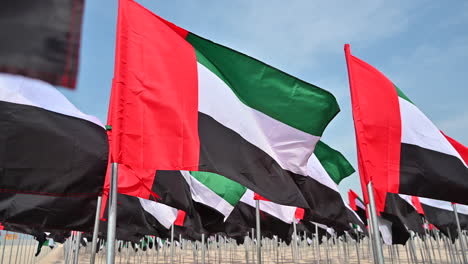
(48,212)
(444,220)
(397,206)
(326,205)
(225,152)
(428,173)
(44,152)
(173,190)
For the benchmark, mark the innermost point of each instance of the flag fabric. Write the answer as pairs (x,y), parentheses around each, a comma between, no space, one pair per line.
(441,215)
(357,205)
(320,189)
(399,148)
(45,212)
(196,105)
(402,217)
(48,146)
(215,191)
(42,39)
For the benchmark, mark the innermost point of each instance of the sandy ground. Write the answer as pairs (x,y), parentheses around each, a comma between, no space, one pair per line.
(231,254)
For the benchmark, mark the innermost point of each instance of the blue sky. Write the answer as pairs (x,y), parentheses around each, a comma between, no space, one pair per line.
(422,46)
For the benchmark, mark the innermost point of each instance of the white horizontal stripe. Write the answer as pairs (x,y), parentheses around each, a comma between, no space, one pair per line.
(385,228)
(283,212)
(316,171)
(444,205)
(418,130)
(27,91)
(202,194)
(290,147)
(165,215)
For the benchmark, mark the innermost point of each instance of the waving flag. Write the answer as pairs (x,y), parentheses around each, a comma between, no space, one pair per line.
(399,148)
(181,102)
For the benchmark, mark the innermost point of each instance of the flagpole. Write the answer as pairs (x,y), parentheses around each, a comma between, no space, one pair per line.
(375,225)
(257,224)
(460,234)
(95,230)
(112,223)
(172,244)
(203,248)
(77,248)
(294,244)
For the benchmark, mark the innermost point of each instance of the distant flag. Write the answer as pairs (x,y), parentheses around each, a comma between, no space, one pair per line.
(41,39)
(181,102)
(399,148)
(441,215)
(357,205)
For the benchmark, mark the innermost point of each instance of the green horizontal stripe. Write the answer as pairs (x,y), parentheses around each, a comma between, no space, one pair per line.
(402,95)
(336,165)
(227,189)
(277,94)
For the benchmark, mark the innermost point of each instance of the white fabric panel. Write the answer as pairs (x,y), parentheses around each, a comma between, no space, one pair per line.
(165,215)
(461,208)
(418,130)
(202,194)
(385,228)
(27,91)
(283,212)
(290,147)
(316,171)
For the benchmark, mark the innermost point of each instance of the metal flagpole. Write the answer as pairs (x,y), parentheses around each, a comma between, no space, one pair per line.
(203,248)
(95,230)
(294,245)
(77,248)
(318,243)
(257,225)
(460,234)
(112,223)
(4,245)
(375,225)
(172,244)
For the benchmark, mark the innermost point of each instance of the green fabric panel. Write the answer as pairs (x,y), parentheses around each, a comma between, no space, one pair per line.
(402,95)
(336,165)
(277,94)
(229,190)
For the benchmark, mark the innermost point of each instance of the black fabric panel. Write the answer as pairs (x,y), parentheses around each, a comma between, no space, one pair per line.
(243,216)
(362,214)
(432,174)
(326,205)
(444,220)
(399,232)
(41,39)
(225,152)
(173,190)
(44,152)
(397,206)
(48,213)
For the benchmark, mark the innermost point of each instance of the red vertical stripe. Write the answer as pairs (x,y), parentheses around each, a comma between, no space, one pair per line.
(377,123)
(299,214)
(180,218)
(417,204)
(154,101)
(352,196)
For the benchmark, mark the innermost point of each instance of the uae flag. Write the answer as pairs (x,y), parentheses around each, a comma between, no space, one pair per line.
(215,191)
(47,145)
(357,205)
(325,168)
(41,39)
(399,149)
(181,102)
(441,215)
